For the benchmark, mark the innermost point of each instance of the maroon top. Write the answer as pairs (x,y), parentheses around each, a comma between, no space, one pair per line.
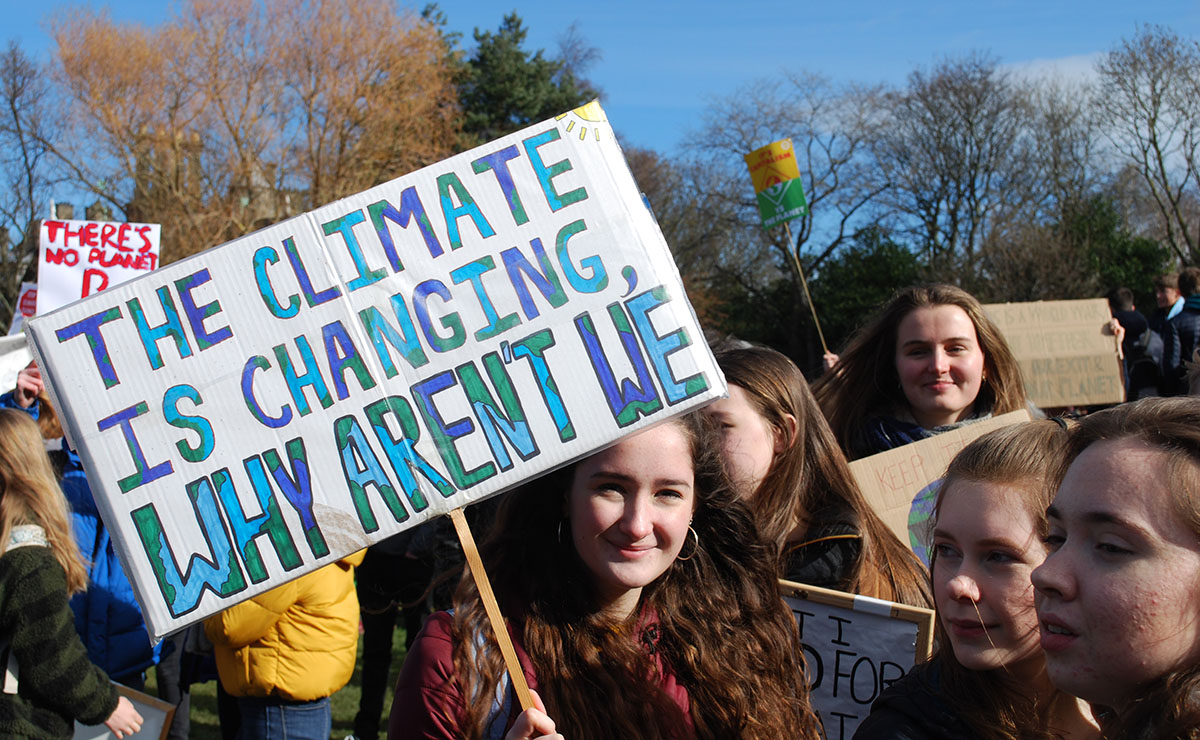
(428,703)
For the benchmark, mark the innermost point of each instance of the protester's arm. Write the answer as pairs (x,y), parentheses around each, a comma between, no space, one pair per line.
(829,360)
(25,395)
(53,662)
(428,702)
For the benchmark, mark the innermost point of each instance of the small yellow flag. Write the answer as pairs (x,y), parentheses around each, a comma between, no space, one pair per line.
(776,178)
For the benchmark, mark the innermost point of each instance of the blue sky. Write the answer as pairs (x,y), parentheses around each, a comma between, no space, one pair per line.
(664,61)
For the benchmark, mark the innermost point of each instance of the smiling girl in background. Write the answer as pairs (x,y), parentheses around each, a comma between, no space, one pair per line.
(988,678)
(1119,596)
(929,362)
(641,602)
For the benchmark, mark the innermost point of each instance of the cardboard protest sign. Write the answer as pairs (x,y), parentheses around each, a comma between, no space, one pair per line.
(79,258)
(156,719)
(854,648)
(1066,354)
(26,307)
(901,484)
(271,405)
(776,178)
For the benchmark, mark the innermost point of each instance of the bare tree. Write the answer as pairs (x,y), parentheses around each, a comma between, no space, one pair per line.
(954,149)
(26,175)
(233,115)
(828,126)
(1150,103)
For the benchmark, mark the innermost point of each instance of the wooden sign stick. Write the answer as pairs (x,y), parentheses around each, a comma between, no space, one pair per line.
(795,255)
(515,673)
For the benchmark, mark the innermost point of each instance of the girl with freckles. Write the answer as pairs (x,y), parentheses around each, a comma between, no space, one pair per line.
(988,677)
(1119,595)
(641,602)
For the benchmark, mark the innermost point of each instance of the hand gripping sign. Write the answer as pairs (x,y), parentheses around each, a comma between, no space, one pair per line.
(266,407)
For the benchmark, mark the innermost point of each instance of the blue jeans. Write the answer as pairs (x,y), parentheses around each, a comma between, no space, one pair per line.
(276,719)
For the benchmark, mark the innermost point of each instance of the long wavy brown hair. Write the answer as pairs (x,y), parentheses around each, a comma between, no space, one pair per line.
(715,621)
(865,382)
(1170,706)
(810,479)
(1024,458)
(29,494)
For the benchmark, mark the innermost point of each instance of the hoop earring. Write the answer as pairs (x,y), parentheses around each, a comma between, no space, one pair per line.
(696,539)
(560,531)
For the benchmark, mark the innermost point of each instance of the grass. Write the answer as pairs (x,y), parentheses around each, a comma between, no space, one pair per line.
(344,704)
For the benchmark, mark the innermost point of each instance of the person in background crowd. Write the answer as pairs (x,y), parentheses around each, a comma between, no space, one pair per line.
(283,653)
(107,615)
(641,601)
(1141,348)
(49,683)
(389,582)
(988,677)
(1168,300)
(931,361)
(1183,334)
(1119,595)
(790,469)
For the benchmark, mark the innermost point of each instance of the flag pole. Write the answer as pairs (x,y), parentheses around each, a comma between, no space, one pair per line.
(794,254)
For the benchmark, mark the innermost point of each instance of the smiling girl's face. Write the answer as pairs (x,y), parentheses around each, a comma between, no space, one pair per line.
(986,544)
(940,364)
(629,508)
(1119,596)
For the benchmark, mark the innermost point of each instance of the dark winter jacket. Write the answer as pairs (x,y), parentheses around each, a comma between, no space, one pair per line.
(825,557)
(1179,341)
(913,709)
(56,684)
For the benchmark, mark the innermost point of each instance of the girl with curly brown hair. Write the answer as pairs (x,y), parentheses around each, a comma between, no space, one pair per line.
(642,603)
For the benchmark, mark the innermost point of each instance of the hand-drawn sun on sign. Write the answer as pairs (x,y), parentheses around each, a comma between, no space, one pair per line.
(588,113)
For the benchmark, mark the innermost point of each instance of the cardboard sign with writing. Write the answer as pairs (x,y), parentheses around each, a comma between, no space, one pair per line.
(1066,354)
(80,258)
(854,648)
(271,405)
(901,484)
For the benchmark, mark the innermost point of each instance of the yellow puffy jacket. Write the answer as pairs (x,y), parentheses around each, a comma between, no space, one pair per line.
(296,642)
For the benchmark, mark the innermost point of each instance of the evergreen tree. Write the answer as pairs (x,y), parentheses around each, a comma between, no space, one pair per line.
(505,87)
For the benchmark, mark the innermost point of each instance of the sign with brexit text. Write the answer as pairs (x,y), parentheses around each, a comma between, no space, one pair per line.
(776,178)
(79,258)
(261,409)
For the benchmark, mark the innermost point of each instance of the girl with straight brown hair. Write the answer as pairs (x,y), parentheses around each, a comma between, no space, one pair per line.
(929,362)
(1119,595)
(799,486)
(988,678)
